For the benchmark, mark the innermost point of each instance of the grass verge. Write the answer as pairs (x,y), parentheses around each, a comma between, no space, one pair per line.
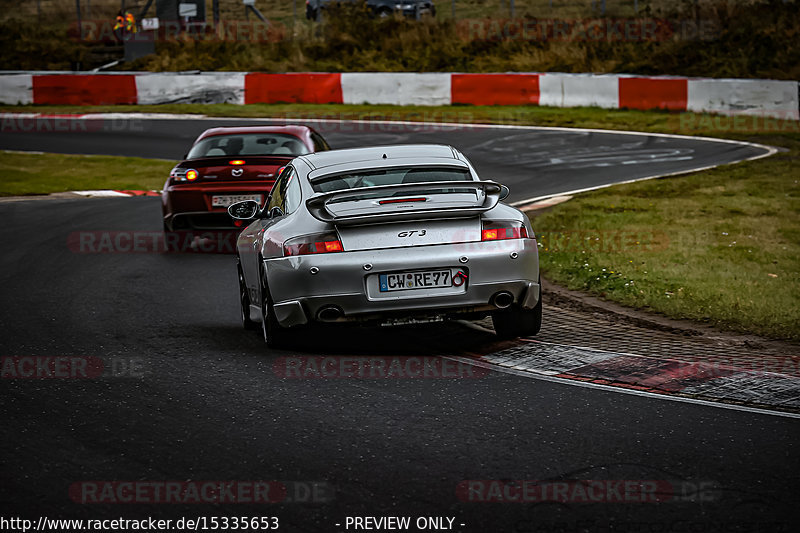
(720,246)
(30,174)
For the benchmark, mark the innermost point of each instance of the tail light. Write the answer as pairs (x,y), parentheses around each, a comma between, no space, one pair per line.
(503,230)
(322,243)
(236,162)
(183,174)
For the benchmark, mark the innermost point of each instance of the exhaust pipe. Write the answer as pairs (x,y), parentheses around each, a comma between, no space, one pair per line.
(503,300)
(329,313)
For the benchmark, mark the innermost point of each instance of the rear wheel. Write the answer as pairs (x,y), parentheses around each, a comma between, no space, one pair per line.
(518,322)
(244,302)
(274,335)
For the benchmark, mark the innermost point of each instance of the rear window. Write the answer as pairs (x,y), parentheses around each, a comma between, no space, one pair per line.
(248,144)
(389,176)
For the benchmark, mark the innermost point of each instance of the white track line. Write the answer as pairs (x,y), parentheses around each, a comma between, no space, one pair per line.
(523,204)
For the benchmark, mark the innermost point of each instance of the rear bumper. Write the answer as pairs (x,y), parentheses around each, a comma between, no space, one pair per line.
(341,281)
(187,207)
(204,220)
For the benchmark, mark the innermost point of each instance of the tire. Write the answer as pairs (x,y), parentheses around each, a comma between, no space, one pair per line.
(274,334)
(518,322)
(244,302)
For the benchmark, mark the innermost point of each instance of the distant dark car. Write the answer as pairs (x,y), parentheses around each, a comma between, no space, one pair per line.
(229,165)
(381,8)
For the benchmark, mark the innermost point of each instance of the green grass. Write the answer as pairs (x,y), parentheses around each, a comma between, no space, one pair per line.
(30,174)
(719,246)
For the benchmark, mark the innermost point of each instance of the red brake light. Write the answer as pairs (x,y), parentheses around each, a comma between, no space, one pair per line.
(236,162)
(402,200)
(333,246)
(191,174)
(503,230)
(313,244)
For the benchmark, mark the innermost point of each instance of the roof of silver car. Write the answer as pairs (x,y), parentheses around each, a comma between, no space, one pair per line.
(379,153)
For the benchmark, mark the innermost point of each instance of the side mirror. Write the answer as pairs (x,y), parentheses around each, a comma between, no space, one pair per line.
(246,210)
(276,212)
(504,192)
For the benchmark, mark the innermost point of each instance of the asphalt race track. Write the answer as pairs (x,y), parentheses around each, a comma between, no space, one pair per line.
(187,395)
(532,162)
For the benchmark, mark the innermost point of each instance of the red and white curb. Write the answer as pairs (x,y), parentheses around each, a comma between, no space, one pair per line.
(108,193)
(725,385)
(766,98)
(543,204)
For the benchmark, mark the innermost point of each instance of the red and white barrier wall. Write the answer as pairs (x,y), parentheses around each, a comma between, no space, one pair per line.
(770,98)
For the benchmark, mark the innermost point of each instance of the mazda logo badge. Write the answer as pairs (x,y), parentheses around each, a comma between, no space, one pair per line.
(236,172)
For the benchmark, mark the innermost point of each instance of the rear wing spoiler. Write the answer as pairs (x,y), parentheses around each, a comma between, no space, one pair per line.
(390,203)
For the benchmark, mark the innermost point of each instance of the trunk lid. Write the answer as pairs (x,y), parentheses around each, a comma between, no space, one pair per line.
(220,169)
(410,233)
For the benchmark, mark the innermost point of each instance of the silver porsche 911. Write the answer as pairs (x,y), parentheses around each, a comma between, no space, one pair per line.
(385,236)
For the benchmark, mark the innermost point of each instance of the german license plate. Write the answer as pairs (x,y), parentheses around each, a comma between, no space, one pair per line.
(425,279)
(224,200)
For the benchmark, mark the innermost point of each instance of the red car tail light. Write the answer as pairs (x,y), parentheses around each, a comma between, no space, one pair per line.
(503,230)
(322,243)
(236,162)
(191,174)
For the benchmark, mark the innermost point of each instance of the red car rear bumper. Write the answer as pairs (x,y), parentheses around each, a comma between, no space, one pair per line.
(190,206)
